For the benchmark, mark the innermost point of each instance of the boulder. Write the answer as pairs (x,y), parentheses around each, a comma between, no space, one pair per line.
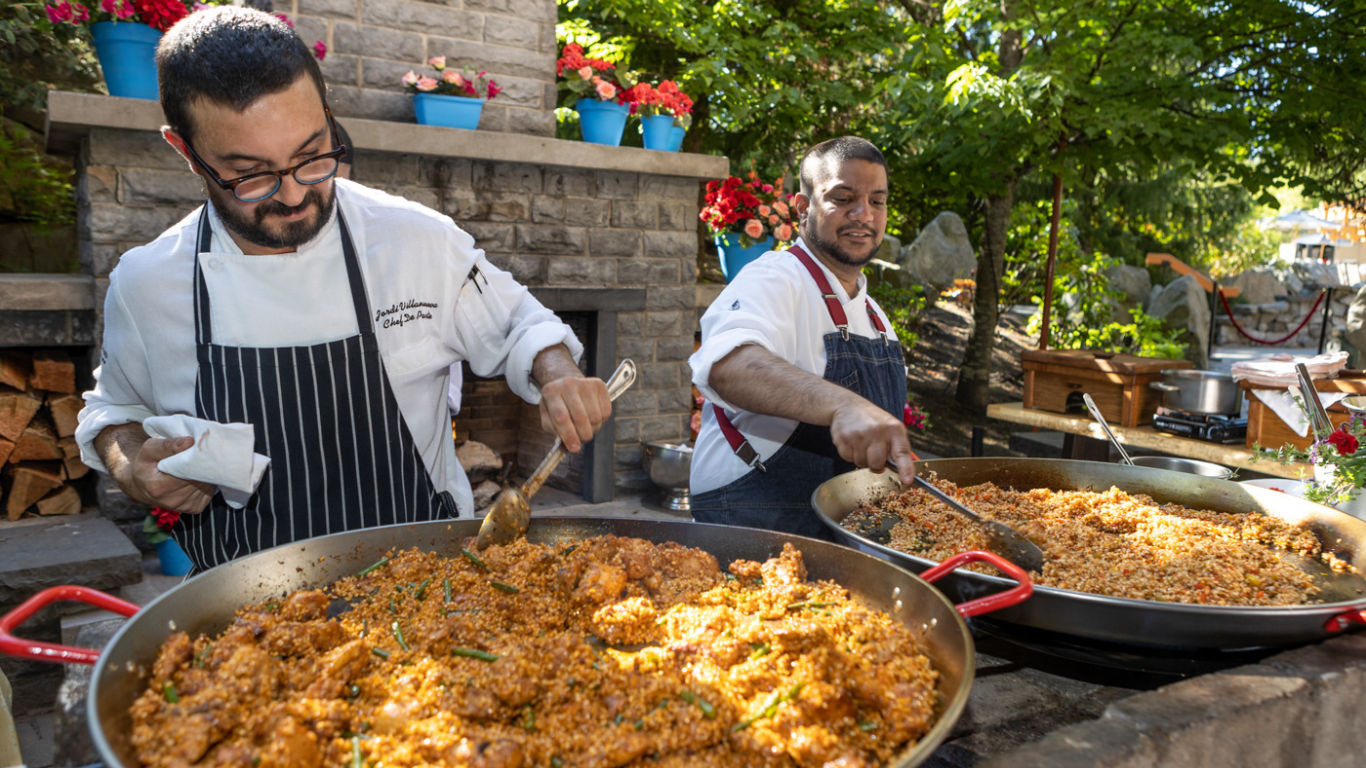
(888,250)
(479,461)
(940,254)
(879,271)
(1184,306)
(1354,335)
(1258,286)
(1294,286)
(1315,274)
(1134,283)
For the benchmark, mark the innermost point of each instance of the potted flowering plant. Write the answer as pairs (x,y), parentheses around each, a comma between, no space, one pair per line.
(126,33)
(664,112)
(155,526)
(603,104)
(451,99)
(1339,465)
(746,217)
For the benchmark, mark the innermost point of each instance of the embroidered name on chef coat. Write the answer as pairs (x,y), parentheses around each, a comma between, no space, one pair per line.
(404,312)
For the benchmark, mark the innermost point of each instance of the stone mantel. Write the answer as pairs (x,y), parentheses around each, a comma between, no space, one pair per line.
(71,115)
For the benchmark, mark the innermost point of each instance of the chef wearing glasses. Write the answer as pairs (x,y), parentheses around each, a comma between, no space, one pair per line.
(320,315)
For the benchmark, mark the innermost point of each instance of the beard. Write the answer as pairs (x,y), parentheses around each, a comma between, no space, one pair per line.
(831,248)
(290,235)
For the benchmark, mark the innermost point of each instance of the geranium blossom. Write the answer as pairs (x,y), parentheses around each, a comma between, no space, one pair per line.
(320,50)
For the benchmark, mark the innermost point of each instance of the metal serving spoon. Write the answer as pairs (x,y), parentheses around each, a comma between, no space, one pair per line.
(511,512)
(1105,426)
(1004,540)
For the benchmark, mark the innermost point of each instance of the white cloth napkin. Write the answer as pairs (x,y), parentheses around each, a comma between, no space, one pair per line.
(1283,403)
(1279,370)
(222,455)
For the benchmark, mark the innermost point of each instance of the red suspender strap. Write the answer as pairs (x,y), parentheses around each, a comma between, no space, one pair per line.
(832,302)
(737,441)
(877,321)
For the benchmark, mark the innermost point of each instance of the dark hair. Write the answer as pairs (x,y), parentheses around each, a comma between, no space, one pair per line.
(841,149)
(230,55)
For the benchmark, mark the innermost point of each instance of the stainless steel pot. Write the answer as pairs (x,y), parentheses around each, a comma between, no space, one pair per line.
(1139,622)
(206,604)
(1199,392)
(1189,466)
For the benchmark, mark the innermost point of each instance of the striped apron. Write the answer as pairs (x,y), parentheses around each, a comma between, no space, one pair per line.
(341,455)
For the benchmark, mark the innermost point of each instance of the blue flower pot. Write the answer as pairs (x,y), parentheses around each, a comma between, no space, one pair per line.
(658,131)
(676,138)
(602,122)
(127,54)
(174,561)
(733,257)
(448,111)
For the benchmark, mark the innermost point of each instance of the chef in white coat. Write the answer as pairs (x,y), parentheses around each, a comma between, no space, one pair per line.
(324,314)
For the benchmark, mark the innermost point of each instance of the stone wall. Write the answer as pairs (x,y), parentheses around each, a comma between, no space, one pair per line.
(1276,319)
(549,226)
(372,43)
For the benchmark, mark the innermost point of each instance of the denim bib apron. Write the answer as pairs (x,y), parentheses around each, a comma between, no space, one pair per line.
(776,494)
(341,454)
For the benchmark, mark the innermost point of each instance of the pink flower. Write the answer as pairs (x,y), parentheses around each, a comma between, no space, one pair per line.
(201,7)
(606,91)
(783,233)
(108,6)
(320,50)
(285,19)
(426,84)
(437,62)
(754,228)
(60,13)
(764,210)
(767,187)
(494,90)
(781,208)
(82,14)
(409,79)
(452,77)
(469,90)
(773,220)
(586,73)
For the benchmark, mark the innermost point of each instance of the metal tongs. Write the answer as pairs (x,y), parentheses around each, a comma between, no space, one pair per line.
(1105,426)
(1318,415)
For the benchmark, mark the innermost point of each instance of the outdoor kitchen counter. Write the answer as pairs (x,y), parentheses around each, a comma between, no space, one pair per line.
(1234,456)
(71,115)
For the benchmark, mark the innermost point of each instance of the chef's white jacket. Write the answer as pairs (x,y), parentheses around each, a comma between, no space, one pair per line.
(427,316)
(773,302)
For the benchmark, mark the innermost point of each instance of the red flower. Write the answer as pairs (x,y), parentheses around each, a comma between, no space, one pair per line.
(160,15)
(1344,441)
(320,50)
(165,517)
(494,90)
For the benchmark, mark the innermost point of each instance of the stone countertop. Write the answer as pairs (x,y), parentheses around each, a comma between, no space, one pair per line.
(71,115)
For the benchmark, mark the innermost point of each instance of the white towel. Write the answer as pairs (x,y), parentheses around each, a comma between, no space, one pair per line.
(1279,370)
(222,455)
(1283,403)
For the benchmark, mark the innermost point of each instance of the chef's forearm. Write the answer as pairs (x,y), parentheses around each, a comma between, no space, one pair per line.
(117,445)
(553,363)
(753,379)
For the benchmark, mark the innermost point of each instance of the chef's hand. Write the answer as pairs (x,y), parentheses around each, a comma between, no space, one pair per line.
(131,458)
(868,436)
(574,408)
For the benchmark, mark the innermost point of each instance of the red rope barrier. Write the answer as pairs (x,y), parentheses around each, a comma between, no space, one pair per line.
(1250,337)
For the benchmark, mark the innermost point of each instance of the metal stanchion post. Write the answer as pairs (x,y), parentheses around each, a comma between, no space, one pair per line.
(1327,318)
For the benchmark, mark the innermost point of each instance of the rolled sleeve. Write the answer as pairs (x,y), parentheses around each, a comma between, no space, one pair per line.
(123,375)
(502,328)
(743,314)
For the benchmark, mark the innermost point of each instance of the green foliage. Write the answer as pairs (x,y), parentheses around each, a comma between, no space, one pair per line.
(903,307)
(36,55)
(32,188)
(1248,247)
(1084,315)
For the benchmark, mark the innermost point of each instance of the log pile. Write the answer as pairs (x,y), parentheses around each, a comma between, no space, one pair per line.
(38,451)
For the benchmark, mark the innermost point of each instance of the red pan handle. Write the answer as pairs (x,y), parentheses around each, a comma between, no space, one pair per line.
(57,654)
(1013,596)
(1342,621)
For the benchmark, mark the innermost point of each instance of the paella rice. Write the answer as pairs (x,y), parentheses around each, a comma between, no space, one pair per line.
(606,652)
(1114,543)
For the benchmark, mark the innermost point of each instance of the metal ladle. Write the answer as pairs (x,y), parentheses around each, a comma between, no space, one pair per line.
(1004,540)
(510,515)
(1105,427)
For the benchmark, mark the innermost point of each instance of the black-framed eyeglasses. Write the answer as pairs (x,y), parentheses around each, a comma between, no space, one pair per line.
(256,187)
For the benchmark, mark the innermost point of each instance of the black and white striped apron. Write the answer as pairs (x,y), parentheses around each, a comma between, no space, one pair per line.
(341,455)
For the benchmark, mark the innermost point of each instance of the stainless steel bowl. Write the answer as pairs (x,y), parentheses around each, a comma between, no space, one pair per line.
(1189,466)
(668,465)
(1199,392)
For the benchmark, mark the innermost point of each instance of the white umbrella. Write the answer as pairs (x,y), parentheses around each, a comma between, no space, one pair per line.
(1295,220)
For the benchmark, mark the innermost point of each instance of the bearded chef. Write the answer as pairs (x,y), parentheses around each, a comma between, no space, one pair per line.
(802,372)
(276,363)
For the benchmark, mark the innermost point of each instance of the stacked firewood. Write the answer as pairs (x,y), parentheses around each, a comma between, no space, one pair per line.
(38,407)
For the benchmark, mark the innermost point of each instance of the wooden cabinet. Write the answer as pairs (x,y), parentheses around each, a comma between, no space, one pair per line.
(1055,380)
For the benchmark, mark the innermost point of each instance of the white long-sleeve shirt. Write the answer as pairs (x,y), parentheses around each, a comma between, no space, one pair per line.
(426,314)
(774,303)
